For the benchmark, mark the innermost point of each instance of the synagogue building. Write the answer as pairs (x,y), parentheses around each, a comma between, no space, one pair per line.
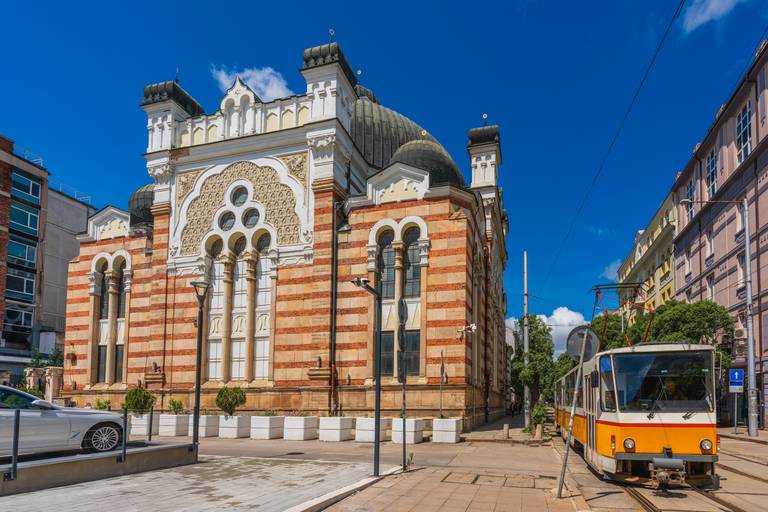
(279,205)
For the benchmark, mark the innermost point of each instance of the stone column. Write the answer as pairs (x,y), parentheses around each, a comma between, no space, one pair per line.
(398,248)
(114,278)
(54,377)
(33,376)
(127,276)
(226,318)
(251,266)
(272,312)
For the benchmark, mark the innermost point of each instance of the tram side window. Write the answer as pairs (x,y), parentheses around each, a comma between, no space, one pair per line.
(607,390)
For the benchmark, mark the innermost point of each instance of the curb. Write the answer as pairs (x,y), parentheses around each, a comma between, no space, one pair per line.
(326,500)
(740,438)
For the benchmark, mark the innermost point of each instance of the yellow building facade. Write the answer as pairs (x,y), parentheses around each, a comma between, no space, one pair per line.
(651,262)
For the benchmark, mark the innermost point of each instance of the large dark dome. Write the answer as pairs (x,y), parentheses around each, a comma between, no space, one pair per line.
(140,206)
(379,132)
(432,157)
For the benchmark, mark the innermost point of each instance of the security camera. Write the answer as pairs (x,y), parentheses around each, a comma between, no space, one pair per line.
(472,327)
(360,281)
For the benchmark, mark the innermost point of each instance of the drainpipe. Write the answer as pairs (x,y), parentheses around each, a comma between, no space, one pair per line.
(487,385)
(703,205)
(332,405)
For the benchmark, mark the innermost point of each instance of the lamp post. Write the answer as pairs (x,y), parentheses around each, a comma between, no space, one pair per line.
(201,290)
(751,378)
(363,283)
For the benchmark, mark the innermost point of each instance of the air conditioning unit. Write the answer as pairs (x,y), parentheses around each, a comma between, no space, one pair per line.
(739,333)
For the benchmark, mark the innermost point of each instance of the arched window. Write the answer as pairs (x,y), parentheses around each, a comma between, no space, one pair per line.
(412,281)
(239,311)
(101,360)
(386,266)
(120,335)
(263,308)
(215,309)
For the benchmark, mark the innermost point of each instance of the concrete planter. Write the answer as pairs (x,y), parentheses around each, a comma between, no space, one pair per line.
(234,427)
(446,430)
(139,424)
(174,424)
(414,430)
(337,428)
(364,429)
(300,428)
(267,427)
(209,425)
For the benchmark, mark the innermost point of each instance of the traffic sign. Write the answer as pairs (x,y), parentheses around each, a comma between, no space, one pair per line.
(735,380)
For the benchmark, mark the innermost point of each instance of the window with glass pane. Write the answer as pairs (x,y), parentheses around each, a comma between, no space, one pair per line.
(24,218)
(119,349)
(17,318)
(237,368)
(712,173)
(387,353)
(412,351)
(262,246)
(386,281)
(607,389)
(20,284)
(689,195)
(121,292)
(744,132)
(102,364)
(261,358)
(239,196)
(214,359)
(412,267)
(26,188)
(22,252)
(104,294)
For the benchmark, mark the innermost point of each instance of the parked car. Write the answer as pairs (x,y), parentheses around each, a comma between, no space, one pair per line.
(44,427)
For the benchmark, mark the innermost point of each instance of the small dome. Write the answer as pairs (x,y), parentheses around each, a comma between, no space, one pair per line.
(432,157)
(140,206)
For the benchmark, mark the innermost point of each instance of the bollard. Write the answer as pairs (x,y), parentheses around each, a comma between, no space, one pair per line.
(124,443)
(149,427)
(506,431)
(11,475)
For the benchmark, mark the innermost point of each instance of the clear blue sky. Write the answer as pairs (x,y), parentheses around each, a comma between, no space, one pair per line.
(555,75)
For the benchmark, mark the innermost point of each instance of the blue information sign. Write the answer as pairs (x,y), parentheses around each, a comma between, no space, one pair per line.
(735,380)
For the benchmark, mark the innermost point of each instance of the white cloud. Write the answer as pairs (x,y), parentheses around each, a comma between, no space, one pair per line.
(700,12)
(267,83)
(561,321)
(611,271)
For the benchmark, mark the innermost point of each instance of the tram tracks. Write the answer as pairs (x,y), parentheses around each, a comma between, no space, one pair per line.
(656,501)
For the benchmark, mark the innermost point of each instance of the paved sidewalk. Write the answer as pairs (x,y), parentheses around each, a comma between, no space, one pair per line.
(447,490)
(741,435)
(216,484)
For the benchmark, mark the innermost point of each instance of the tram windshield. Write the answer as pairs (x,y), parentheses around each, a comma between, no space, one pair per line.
(664,381)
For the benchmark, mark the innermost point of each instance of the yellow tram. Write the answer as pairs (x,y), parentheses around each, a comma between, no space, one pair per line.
(645,411)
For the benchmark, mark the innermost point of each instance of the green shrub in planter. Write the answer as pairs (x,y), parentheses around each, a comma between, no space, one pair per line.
(104,405)
(139,400)
(539,414)
(268,413)
(175,406)
(229,399)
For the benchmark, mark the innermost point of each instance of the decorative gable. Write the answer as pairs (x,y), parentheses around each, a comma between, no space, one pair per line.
(398,182)
(109,222)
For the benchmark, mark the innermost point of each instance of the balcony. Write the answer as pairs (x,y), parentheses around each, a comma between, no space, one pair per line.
(665,278)
(709,261)
(739,236)
(741,292)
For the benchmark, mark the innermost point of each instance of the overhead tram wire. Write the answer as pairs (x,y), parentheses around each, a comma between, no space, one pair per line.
(614,139)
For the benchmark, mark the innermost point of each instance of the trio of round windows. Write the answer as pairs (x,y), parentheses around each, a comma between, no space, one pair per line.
(250,217)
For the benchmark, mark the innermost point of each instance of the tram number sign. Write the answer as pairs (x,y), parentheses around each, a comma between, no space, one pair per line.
(735,380)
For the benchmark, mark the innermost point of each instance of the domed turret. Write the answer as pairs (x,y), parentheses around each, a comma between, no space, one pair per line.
(432,157)
(140,206)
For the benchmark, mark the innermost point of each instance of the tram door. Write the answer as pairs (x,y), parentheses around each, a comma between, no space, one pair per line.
(590,383)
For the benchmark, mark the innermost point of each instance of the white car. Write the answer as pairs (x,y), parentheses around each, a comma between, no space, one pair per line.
(44,427)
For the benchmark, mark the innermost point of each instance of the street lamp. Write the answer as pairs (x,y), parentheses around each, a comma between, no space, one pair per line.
(201,290)
(362,282)
(751,379)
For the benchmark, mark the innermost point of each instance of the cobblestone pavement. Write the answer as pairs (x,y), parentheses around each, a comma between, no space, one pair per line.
(217,483)
(447,490)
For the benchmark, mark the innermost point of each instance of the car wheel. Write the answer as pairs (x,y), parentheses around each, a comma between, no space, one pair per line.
(102,437)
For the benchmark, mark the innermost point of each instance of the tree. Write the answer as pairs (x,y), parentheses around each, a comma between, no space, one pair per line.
(538,374)
(608,329)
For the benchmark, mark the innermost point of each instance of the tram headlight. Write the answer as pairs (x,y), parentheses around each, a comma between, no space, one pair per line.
(706,445)
(629,444)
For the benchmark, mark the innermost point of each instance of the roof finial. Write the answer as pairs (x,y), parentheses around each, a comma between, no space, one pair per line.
(177,74)
(485,119)
(332,33)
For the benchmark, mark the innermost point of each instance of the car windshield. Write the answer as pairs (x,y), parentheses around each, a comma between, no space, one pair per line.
(664,381)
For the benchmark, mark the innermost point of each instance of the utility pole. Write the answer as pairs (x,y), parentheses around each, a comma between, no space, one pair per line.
(751,380)
(526,390)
